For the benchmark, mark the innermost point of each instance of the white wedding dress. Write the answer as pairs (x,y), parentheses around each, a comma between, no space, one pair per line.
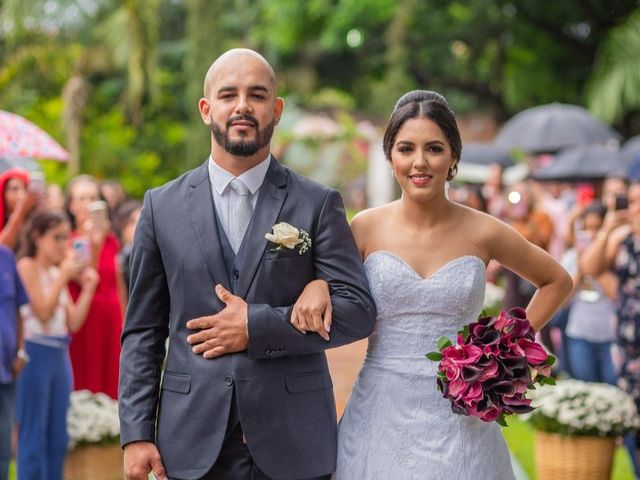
(397,425)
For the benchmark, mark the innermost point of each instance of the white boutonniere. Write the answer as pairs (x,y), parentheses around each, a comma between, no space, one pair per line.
(288,236)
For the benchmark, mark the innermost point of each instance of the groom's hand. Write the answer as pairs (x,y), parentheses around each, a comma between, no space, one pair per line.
(225,332)
(140,458)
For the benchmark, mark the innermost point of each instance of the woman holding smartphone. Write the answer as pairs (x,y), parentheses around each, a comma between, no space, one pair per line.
(95,348)
(616,249)
(46,266)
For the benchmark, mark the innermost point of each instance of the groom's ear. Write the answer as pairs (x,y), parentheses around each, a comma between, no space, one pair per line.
(205,110)
(277,109)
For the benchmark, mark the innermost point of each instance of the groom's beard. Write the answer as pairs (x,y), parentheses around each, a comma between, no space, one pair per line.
(243,148)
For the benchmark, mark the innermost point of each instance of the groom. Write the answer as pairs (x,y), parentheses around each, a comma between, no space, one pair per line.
(243,394)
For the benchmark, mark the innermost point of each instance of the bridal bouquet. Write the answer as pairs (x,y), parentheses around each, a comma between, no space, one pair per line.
(493,363)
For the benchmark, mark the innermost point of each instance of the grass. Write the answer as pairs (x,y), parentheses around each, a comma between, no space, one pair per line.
(520,438)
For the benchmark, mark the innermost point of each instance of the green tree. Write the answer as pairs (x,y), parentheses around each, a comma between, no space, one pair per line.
(614,89)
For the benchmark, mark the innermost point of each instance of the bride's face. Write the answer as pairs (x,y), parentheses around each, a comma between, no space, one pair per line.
(421,158)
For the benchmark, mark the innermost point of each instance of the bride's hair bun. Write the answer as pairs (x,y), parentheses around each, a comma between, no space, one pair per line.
(418,96)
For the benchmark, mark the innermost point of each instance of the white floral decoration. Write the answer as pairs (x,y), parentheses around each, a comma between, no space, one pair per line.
(92,418)
(573,407)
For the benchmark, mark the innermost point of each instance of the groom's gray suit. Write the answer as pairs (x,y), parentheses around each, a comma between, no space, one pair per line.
(283,392)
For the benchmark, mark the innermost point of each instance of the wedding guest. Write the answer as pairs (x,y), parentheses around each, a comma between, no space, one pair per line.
(113,192)
(12,353)
(557,205)
(54,197)
(95,348)
(494,191)
(613,186)
(471,196)
(16,203)
(534,224)
(47,265)
(616,249)
(590,327)
(124,225)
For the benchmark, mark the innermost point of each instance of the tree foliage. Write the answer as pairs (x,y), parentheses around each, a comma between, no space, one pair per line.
(117,81)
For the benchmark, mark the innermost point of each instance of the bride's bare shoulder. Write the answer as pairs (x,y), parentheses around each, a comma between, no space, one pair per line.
(483,224)
(365,224)
(364,219)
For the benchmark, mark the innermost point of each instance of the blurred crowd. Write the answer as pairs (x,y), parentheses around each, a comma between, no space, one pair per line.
(64,261)
(593,229)
(64,266)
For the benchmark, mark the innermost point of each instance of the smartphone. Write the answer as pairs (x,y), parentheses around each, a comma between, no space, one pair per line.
(82,246)
(98,213)
(622,202)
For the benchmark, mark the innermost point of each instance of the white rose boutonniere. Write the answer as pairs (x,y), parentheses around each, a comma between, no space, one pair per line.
(288,236)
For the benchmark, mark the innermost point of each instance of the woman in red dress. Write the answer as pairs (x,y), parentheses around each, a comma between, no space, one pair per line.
(95,348)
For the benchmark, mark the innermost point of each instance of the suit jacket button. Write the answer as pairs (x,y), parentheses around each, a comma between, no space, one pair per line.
(228,380)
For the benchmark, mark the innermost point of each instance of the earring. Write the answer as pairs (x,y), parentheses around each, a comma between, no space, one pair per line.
(452,172)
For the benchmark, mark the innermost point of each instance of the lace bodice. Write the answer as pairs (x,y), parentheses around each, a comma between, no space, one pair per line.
(414,312)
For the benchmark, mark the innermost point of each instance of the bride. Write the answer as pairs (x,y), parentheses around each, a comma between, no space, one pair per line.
(425,260)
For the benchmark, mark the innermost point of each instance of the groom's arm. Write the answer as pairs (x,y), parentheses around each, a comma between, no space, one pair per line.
(336,260)
(144,334)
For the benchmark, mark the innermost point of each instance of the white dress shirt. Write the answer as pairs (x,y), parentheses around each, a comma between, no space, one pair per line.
(224,197)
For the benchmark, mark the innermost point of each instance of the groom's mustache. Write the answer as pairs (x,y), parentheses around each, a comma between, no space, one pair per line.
(243,118)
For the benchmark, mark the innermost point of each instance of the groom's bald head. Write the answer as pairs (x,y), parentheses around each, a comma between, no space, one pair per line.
(229,60)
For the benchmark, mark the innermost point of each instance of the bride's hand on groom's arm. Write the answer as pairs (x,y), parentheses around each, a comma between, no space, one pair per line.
(140,458)
(312,310)
(224,332)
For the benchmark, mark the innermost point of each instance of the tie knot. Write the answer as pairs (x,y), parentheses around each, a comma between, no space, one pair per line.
(239,187)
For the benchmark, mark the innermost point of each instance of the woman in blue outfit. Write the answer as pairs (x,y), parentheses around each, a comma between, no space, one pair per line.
(46,266)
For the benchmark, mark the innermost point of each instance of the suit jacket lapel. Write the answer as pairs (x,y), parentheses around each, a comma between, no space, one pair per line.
(203,219)
(272,195)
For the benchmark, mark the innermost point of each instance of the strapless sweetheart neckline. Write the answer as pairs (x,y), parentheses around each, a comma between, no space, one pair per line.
(403,262)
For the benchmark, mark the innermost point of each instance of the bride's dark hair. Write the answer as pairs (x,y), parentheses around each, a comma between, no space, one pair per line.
(424,104)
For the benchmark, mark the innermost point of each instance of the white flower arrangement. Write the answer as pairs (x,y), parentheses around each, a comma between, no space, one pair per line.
(573,407)
(92,418)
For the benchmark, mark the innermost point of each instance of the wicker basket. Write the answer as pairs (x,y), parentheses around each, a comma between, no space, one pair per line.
(94,462)
(573,457)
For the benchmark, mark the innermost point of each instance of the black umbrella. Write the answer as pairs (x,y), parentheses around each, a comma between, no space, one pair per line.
(486,154)
(550,128)
(631,148)
(586,162)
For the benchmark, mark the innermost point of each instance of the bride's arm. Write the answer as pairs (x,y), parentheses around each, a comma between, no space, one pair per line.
(532,263)
(312,311)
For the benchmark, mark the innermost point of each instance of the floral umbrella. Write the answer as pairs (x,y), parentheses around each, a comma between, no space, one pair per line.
(19,138)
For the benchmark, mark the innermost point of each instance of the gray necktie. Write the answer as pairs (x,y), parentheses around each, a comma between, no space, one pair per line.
(240,214)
